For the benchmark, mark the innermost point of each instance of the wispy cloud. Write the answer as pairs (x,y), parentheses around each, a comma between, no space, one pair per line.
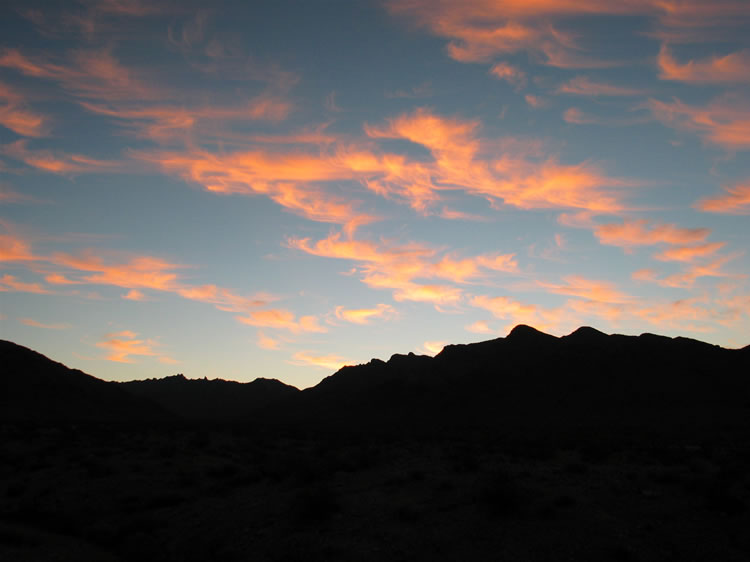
(734,201)
(725,121)
(727,69)
(330,362)
(640,233)
(584,86)
(33,323)
(124,345)
(365,315)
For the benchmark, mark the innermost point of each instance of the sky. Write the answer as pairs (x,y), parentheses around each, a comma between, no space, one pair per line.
(279,188)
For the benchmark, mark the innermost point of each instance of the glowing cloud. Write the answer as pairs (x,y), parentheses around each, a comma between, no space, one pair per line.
(689,253)
(509,73)
(329,362)
(10,283)
(724,121)
(735,201)
(731,68)
(122,345)
(266,342)
(584,86)
(638,233)
(577,286)
(35,324)
(365,315)
(281,319)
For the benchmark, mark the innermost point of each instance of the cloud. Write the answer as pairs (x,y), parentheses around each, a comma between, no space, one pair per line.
(163,123)
(725,121)
(286,178)
(508,170)
(35,324)
(575,116)
(577,286)
(85,73)
(536,102)
(365,315)
(734,201)
(281,319)
(125,344)
(516,312)
(584,86)
(479,30)
(638,233)
(329,362)
(134,295)
(56,162)
(689,253)
(400,268)
(433,347)
(731,68)
(10,283)
(14,115)
(266,342)
(509,73)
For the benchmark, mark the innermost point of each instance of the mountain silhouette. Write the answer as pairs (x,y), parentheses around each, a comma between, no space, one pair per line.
(528,447)
(217,399)
(527,381)
(35,388)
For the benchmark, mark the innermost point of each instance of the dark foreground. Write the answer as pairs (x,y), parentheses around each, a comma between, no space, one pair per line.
(189,492)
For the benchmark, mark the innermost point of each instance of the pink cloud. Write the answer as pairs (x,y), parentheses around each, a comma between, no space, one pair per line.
(734,201)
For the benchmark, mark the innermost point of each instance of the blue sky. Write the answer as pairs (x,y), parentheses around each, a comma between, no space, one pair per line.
(281,188)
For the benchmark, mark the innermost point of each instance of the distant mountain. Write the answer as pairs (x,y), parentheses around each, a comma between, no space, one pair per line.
(586,382)
(217,399)
(35,388)
(532,381)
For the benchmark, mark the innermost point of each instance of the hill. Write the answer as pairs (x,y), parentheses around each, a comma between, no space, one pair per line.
(35,388)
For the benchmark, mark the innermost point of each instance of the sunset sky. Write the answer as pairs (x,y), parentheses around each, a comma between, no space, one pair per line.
(280,188)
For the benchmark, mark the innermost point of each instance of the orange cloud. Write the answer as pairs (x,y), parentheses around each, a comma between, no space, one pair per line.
(638,233)
(330,362)
(478,30)
(35,324)
(134,295)
(365,315)
(735,201)
(140,272)
(16,117)
(577,286)
(10,283)
(398,268)
(584,86)
(724,121)
(223,298)
(433,347)
(731,68)
(535,101)
(689,253)
(163,123)
(58,279)
(516,312)
(509,73)
(510,172)
(283,177)
(56,162)
(122,345)
(266,342)
(15,249)
(281,319)
(86,73)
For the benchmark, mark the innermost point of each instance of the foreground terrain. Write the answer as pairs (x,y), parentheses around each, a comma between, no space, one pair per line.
(588,447)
